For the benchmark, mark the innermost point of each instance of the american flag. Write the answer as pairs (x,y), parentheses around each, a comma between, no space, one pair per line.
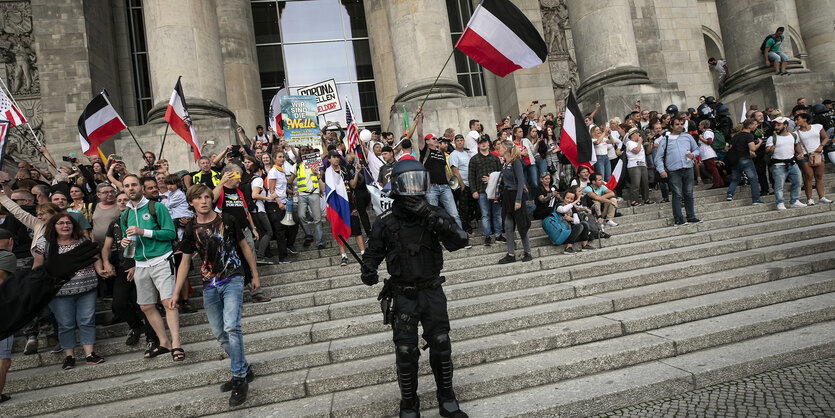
(352,135)
(9,112)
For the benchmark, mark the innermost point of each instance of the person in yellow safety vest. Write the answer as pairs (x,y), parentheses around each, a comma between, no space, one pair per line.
(206,175)
(309,189)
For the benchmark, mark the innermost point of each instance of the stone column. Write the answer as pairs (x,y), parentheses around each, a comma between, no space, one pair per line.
(608,54)
(421,42)
(182,38)
(240,62)
(817,21)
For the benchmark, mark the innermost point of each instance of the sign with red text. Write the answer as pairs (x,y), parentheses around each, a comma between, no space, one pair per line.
(326,97)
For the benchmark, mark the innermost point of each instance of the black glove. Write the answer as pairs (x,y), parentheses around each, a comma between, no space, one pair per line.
(417,205)
(369,277)
(63,266)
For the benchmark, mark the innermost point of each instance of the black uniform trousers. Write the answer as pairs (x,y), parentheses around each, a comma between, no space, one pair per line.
(428,307)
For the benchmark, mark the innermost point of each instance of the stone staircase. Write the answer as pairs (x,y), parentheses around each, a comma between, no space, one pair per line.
(657,311)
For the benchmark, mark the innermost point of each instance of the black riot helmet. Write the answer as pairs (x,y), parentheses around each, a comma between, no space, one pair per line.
(819,109)
(710,100)
(723,110)
(705,111)
(672,110)
(409,178)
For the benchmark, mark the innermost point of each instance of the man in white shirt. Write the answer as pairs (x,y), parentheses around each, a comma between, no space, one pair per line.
(459,163)
(784,148)
(708,154)
(720,67)
(471,141)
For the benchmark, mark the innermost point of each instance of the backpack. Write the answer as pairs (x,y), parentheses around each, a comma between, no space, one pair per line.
(718,143)
(556,228)
(762,46)
(152,209)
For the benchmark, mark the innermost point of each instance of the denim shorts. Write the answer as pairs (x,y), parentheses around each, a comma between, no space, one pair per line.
(6,347)
(778,56)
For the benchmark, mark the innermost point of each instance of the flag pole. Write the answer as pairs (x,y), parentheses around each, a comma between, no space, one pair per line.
(18,108)
(134,140)
(436,80)
(37,148)
(159,155)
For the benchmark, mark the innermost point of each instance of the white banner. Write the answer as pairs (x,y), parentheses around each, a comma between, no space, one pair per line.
(326,97)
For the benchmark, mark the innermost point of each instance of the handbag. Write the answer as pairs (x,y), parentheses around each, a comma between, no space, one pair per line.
(815,159)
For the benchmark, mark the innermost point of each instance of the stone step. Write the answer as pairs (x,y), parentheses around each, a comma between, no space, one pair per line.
(603,392)
(349,369)
(503,378)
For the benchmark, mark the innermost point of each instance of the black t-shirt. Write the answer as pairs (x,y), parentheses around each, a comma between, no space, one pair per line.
(217,242)
(232,204)
(740,143)
(204,178)
(22,236)
(435,164)
(114,230)
(385,174)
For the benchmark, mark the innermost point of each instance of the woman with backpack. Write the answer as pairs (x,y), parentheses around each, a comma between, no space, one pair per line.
(570,211)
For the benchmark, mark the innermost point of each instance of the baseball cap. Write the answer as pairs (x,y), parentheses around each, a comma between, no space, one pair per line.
(781,119)
(259,127)
(483,138)
(429,136)
(5,234)
(458,136)
(333,154)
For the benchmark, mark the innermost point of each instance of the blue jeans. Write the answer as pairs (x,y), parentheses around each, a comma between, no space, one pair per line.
(491,215)
(311,200)
(778,56)
(532,174)
(75,311)
(681,185)
(443,193)
(223,308)
(746,166)
(780,173)
(603,167)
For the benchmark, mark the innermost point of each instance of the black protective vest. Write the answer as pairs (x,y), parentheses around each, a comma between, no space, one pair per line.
(414,252)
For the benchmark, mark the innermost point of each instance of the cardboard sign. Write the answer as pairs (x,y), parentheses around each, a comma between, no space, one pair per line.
(326,97)
(312,161)
(301,126)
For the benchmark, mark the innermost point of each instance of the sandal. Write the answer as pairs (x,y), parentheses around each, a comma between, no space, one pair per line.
(635,204)
(155,351)
(649,202)
(4,398)
(178,354)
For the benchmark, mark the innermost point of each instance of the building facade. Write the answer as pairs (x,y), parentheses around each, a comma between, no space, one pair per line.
(384,55)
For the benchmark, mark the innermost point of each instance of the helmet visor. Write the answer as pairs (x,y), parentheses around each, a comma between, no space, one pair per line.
(410,183)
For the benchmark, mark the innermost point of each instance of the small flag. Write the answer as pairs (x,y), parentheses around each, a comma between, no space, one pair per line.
(405,121)
(744,111)
(351,134)
(501,39)
(575,140)
(9,112)
(619,172)
(97,123)
(4,130)
(275,111)
(177,116)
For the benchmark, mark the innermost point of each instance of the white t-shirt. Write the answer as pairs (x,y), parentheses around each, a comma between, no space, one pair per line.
(706,152)
(719,68)
(632,159)
(280,188)
(471,143)
(784,150)
(811,139)
(258,182)
(581,183)
(600,149)
(610,148)
(461,160)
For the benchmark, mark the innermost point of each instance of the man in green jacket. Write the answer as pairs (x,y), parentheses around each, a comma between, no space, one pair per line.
(150,232)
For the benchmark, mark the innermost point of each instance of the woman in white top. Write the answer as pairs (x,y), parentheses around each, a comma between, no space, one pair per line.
(812,140)
(707,155)
(600,138)
(636,165)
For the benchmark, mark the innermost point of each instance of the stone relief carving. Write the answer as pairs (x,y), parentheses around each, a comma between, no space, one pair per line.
(561,59)
(19,70)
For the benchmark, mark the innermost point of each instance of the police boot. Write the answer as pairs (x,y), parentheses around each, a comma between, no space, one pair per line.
(407,379)
(440,358)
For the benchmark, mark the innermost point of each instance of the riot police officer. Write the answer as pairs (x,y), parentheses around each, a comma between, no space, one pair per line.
(409,237)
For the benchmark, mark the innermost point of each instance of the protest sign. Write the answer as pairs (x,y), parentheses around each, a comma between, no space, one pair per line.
(325,92)
(312,161)
(301,126)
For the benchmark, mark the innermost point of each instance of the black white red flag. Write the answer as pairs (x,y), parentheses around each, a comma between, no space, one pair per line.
(98,122)
(575,140)
(177,116)
(619,173)
(502,39)
(4,130)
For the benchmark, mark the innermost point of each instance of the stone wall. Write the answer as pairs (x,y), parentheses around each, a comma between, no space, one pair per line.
(102,56)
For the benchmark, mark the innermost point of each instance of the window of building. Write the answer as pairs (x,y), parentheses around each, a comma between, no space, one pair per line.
(470,74)
(139,60)
(302,42)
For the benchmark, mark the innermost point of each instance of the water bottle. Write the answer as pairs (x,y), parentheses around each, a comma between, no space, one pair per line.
(130,250)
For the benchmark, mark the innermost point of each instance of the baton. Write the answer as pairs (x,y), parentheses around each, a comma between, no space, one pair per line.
(353,253)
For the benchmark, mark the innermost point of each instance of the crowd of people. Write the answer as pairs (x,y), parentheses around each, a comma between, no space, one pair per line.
(262,189)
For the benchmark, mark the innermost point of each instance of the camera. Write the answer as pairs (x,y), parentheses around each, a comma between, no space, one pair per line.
(535,102)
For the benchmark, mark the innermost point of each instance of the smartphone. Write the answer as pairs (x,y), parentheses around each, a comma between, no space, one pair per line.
(210,142)
(536,102)
(67,159)
(236,175)
(117,158)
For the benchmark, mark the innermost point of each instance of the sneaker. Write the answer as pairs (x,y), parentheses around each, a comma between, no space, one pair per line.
(321,246)
(589,247)
(611,223)
(501,238)
(239,389)
(781,206)
(227,386)
(69,363)
(133,336)
(681,224)
(526,257)
(824,200)
(31,346)
(665,200)
(757,203)
(507,259)
(729,198)
(307,241)
(569,250)
(344,262)
(283,261)
(810,202)
(693,221)
(185,307)
(57,349)
(292,250)
(605,235)
(260,297)
(487,241)
(94,358)
(798,204)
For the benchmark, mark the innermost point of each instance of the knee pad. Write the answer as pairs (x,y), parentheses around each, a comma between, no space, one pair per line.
(440,344)
(407,354)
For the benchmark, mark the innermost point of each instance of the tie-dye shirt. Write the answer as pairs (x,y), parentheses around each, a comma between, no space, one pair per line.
(217,242)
